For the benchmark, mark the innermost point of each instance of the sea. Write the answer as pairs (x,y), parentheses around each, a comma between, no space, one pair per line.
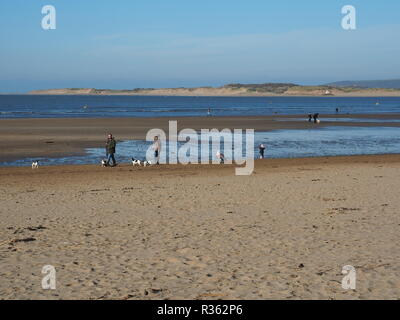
(36,106)
(327,141)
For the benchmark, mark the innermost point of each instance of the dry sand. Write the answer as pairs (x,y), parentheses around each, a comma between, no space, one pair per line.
(22,138)
(200,232)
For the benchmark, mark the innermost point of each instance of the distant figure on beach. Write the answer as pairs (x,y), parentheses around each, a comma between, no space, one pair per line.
(157,149)
(261,148)
(110,150)
(337,110)
(316,118)
(209,112)
(221,157)
(310,117)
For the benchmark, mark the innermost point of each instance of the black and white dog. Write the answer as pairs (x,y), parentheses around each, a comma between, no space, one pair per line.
(35,164)
(146,163)
(136,162)
(104,163)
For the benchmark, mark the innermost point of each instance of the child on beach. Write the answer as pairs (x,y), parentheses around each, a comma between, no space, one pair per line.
(157,149)
(221,157)
(262,150)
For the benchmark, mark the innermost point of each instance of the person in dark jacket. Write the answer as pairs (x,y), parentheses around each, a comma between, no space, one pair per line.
(261,148)
(110,150)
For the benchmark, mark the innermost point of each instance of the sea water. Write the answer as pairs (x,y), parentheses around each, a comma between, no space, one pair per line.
(328,141)
(32,106)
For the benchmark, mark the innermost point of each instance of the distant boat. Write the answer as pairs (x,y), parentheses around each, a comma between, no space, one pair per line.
(377,103)
(85,107)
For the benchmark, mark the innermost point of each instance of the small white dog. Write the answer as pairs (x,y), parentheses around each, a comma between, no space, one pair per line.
(136,162)
(35,164)
(146,163)
(104,163)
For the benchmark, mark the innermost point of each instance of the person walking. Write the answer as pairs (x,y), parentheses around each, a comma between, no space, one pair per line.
(221,157)
(110,150)
(157,149)
(261,148)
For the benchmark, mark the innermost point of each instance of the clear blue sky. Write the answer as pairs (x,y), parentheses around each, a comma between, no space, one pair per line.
(159,43)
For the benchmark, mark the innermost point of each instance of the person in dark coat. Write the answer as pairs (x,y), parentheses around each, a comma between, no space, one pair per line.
(261,148)
(315,117)
(110,150)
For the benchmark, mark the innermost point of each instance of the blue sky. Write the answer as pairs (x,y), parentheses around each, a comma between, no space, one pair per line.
(129,43)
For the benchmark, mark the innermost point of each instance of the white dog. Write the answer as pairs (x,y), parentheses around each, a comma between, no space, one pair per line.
(146,163)
(136,162)
(104,163)
(35,164)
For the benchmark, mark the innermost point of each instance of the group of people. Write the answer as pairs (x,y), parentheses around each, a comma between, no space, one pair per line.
(313,117)
(111,145)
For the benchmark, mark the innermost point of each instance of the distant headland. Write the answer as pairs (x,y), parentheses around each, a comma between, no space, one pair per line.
(349,89)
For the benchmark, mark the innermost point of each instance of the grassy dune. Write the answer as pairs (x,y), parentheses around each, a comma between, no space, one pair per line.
(267,89)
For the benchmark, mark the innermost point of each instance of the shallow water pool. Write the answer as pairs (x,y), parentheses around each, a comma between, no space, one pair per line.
(329,141)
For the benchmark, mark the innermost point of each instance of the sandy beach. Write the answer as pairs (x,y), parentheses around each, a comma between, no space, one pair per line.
(200,232)
(22,138)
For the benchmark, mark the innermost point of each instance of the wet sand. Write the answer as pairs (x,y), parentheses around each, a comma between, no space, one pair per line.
(21,138)
(200,232)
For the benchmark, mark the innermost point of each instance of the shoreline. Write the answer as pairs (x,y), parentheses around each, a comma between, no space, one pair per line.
(61,137)
(267,163)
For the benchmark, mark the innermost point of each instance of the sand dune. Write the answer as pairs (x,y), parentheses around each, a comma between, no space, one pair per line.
(227,91)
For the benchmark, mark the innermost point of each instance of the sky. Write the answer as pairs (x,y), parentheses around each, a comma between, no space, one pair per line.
(129,44)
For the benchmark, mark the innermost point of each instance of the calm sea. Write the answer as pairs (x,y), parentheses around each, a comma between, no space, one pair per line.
(27,106)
